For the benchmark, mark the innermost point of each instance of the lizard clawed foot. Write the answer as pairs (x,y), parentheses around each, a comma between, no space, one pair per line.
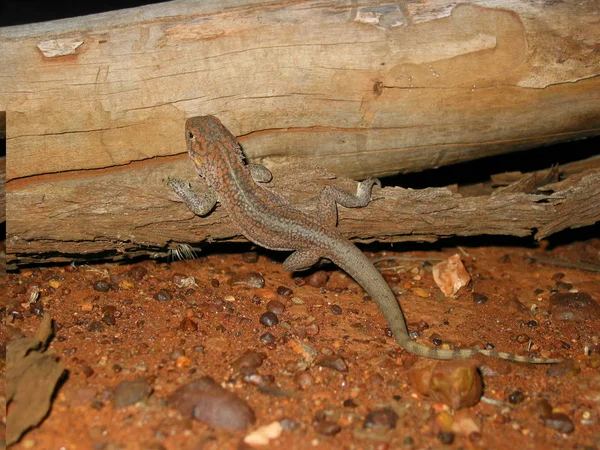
(177,184)
(180,187)
(364,189)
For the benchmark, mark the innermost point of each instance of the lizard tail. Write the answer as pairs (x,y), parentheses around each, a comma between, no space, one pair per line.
(438,353)
(358,266)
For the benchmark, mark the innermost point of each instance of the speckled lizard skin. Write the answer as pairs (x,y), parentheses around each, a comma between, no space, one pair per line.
(269,220)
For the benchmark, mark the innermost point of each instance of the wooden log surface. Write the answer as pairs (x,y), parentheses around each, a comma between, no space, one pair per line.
(105,217)
(2,170)
(361,88)
(96,105)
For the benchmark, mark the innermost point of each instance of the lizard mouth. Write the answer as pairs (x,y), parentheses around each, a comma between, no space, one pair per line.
(197,160)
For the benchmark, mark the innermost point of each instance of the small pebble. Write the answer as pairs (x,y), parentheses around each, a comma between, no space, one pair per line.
(334,362)
(263,435)
(381,418)
(183,362)
(564,286)
(446,437)
(138,273)
(289,424)
(479,299)
(561,345)
(176,353)
(101,286)
(437,341)
(252,279)
(276,307)
(109,319)
(250,257)
(183,281)
(451,275)
(574,306)
(423,293)
(248,362)
(95,326)
(522,338)
(349,403)
(129,392)
(112,310)
(37,308)
(206,401)
(267,338)
(284,291)
(116,277)
(317,279)
(312,329)
(408,441)
(263,381)
(163,296)
(458,384)
(516,397)
(188,324)
(126,285)
(560,422)
(336,310)
(304,379)
(541,408)
(327,427)
(269,319)
(87,306)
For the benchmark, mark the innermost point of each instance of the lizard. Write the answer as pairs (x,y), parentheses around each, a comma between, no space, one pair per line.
(269,220)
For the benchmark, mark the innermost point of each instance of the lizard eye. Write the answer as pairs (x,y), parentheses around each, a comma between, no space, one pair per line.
(190,135)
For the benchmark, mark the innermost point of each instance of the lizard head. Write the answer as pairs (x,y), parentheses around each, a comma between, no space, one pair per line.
(207,141)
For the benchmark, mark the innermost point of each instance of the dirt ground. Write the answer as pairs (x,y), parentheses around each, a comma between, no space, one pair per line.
(310,355)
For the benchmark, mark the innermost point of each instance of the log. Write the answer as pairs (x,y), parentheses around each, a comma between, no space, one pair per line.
(96,107)
(105,219)
(363,89)
(2,190)
(2,166)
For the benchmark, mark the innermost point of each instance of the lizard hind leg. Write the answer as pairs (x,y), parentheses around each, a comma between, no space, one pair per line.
(332,196)
(301,260)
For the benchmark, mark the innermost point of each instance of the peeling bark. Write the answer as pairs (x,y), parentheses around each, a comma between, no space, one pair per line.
(142,215)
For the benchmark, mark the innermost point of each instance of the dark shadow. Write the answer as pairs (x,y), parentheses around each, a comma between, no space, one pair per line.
(479,171)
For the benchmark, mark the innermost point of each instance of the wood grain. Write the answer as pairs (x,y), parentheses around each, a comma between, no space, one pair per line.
(96,105)
(361,88)
(105,219)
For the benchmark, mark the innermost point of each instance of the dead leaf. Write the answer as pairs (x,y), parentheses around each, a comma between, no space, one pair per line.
(31,377)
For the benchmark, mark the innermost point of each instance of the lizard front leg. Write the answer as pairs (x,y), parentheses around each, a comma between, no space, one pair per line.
(259,173)
(331,196)
(200,206)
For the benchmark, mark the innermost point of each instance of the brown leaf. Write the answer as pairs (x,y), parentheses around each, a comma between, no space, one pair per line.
(31,377)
